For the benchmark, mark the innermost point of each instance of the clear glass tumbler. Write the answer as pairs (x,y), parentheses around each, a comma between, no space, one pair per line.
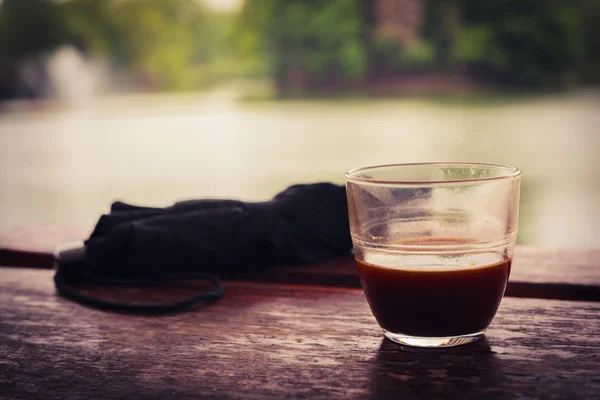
(433,244)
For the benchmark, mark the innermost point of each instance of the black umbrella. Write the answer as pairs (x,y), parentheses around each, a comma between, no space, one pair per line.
(197,239)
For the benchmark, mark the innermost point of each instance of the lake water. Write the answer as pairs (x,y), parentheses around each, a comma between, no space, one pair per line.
(67,164)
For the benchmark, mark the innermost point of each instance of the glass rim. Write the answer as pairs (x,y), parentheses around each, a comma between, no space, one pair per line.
(514,172)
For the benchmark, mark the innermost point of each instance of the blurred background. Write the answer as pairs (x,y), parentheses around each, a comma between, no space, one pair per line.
(151,102)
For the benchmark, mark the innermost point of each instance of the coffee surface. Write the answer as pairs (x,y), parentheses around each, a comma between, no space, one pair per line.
(434,302)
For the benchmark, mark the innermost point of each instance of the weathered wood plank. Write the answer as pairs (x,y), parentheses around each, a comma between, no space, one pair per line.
(545,274)
(27,259)
(41,238)
(33,245)
(280,341)
(565,274)
(530,264)
(537,273)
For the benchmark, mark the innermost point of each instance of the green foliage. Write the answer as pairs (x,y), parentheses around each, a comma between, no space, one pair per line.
(177,45)
(29,27)
(252,37)
(477,44)
(532,42)
(589,68)
(418,55)
(441,27)
(161,41)
(309,35)
(168,45)
(91,25)
(536,42)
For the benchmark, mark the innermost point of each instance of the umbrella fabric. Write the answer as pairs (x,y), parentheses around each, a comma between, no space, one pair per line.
(198,239)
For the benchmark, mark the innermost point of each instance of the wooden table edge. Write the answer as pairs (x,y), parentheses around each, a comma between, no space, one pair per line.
(306,275)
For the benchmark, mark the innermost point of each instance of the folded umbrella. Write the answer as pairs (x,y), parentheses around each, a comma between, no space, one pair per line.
(198,239)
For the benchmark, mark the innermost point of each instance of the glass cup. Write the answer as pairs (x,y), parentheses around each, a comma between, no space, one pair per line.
(433,244)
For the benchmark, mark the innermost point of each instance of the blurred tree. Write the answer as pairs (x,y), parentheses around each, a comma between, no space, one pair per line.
(442,25)
(252,36)
(398,45)
(393,58)
(92,27)
(526,42)
(532,42)
(162,45)
(305,41)
(163,42)
(27,28)
(590,65)
(220,57)
(307,45)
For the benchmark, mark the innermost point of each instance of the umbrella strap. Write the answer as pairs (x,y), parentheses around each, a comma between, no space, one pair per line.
(71,293)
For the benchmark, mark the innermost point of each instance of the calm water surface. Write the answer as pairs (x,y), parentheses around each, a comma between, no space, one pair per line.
(67,164)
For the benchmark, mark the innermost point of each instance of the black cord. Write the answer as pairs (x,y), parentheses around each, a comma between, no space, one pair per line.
(66,291)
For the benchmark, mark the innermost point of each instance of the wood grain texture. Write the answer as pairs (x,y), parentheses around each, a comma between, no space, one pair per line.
(21,246)
(34,245)
(536,273)
(277,341)
(42,238)
(530,264)
(566,274)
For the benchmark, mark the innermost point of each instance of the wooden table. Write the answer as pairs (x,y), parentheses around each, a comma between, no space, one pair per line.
(271,337)
(267,340)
